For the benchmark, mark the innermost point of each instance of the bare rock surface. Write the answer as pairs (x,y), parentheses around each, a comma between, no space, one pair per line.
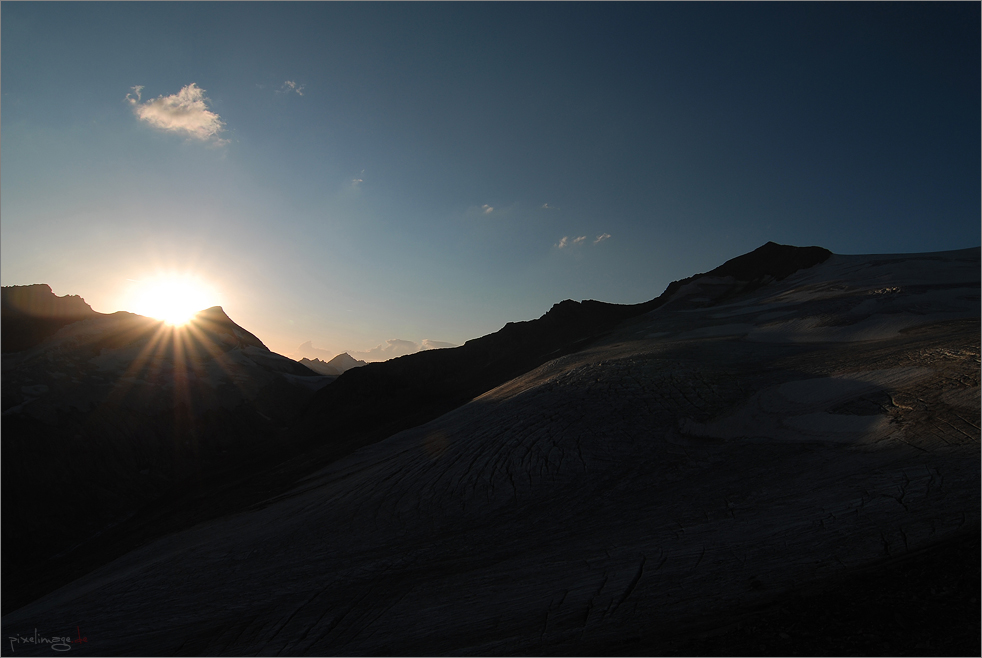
(703,458)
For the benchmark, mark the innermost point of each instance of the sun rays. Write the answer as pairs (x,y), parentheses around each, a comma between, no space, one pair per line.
(178,358)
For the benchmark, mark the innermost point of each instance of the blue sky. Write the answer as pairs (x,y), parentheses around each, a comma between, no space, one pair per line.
(352,174)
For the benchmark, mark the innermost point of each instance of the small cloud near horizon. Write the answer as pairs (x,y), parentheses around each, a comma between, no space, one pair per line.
(185,113)
(579,239)
(487,209)
(309,351)
(435,345)
(546,206)
(601,238)
(562,243)
(391,349)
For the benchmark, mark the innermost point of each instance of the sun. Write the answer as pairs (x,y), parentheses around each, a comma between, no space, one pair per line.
(173,298)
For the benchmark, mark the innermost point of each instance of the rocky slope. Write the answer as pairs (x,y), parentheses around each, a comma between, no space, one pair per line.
(380,399)
(32,313)
(651,475)
(111,412)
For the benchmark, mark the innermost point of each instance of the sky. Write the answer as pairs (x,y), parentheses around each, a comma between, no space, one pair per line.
(381,178)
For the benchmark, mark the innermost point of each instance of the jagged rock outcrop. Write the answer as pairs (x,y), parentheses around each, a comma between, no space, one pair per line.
(335,367)
(344,362)
(32,313)
(320,367)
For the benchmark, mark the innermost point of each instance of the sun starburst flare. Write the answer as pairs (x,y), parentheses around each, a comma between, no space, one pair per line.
(173,298)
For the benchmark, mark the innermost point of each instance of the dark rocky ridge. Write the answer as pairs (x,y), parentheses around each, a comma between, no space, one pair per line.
(380,399)
(32,313)
(335,367)
(111,412)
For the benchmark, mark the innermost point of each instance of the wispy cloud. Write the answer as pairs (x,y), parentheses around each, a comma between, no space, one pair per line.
(546,206)
(354,185)
(487,209)
(289,86)
(185,113)
(580,239)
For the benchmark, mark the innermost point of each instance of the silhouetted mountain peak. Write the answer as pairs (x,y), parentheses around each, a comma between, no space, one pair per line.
(737,276)
(320,367)
(32,313)
(336,366)
(345,361)
(214,319)
(38,300)
(774,260)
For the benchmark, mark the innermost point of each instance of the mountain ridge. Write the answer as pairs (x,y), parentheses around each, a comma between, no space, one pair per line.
(335,367)
(417,387)
(124,410)
(33,312)
(650,481)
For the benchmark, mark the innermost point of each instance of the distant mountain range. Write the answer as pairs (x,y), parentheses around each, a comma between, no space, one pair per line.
(619,479)
(339,364)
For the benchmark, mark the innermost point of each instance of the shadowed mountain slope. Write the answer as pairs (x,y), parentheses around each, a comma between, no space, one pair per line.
(32,313)
(158,423)
(695,462)
(382,398)
(114,411)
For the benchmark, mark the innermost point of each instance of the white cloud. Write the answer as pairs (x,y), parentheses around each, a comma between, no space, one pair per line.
(389,350)
(136,90)
(289,86)
(580,239)
(546,206)
(185,113)
(483,211)
(308,350)
(435,344)
(356,181)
